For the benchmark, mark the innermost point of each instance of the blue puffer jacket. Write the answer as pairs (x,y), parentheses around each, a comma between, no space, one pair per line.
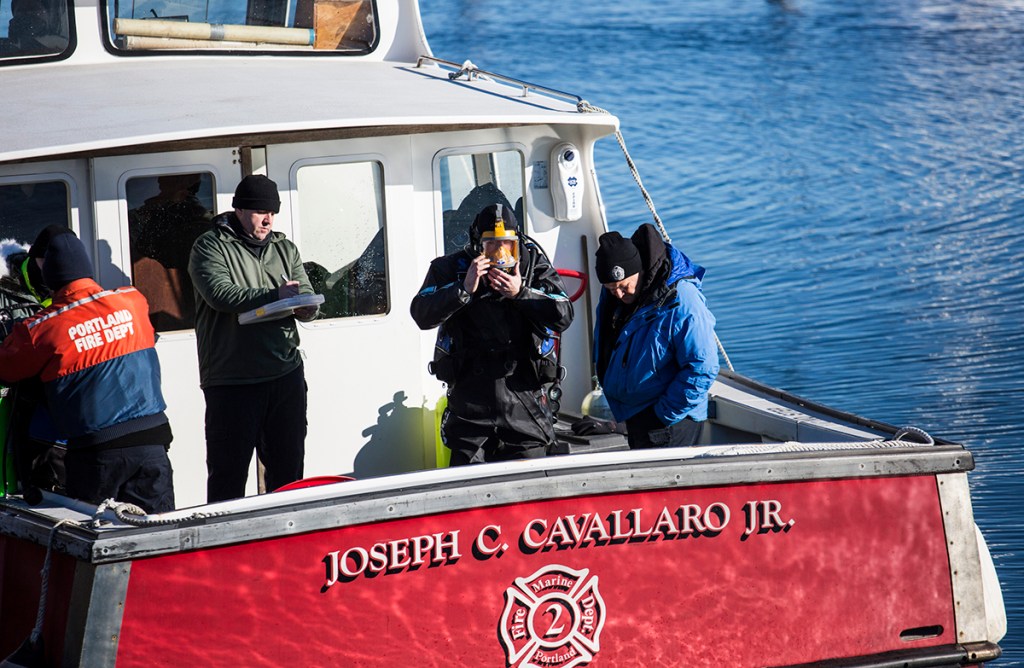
(665,354)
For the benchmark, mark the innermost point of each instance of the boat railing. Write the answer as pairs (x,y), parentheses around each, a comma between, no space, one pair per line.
(471,72)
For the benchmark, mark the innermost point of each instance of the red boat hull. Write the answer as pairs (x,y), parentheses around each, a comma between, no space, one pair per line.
(862,563)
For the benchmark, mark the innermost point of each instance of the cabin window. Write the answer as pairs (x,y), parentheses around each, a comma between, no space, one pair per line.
(470,182)
(166,213)
(27,207)
(288,26)
(33,28)
(341,219)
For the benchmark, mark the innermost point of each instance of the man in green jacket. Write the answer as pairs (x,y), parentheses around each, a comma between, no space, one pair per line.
(251,375)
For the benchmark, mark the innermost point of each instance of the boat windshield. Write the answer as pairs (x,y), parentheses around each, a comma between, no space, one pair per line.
(339,26)
(33,28)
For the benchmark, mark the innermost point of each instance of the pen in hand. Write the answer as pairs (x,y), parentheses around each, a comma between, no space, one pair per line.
(292,288)
(287,289)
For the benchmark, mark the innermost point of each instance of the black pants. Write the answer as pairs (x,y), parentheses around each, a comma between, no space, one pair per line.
(486,421)
(138,474)
(642,434)
(268,417)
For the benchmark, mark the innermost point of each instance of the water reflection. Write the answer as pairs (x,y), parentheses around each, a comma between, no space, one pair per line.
(851,176)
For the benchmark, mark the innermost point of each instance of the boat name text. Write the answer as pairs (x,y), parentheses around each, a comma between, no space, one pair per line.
(542,534)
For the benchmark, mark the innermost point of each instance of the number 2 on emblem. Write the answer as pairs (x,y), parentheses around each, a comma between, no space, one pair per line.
(556,614)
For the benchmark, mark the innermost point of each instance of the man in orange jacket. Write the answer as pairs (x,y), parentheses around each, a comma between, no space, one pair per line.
(93,351)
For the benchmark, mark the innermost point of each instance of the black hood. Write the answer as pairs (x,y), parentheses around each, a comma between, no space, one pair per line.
(471,205)
(484,222)
(654,258)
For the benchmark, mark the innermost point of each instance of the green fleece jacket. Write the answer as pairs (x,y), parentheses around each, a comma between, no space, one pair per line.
(229,279)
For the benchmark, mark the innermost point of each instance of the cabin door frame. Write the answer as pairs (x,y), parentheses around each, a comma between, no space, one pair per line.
(110,176)
(367,412)
(186,405)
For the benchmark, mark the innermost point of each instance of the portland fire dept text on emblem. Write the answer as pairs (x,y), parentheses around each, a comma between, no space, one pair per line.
(552,618)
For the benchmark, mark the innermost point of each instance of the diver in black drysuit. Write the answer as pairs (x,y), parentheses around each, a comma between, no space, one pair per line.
(487,347)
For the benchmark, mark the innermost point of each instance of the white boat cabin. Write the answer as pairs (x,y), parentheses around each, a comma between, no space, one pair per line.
(135,136)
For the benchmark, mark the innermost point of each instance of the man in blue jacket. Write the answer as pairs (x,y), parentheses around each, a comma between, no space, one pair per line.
(654,341)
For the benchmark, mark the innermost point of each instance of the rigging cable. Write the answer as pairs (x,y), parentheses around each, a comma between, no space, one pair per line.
(585,107)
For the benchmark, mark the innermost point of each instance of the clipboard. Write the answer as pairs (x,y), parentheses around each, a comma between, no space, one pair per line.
(282,308)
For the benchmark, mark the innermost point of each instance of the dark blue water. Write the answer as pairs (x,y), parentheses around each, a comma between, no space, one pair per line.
(850,174)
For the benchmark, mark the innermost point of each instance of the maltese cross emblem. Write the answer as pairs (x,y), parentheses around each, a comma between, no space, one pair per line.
(552,618)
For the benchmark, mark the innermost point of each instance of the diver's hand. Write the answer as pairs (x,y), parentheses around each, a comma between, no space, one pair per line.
(504,283)
(478,267)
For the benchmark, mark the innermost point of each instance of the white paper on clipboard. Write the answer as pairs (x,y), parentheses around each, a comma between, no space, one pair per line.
(279,309)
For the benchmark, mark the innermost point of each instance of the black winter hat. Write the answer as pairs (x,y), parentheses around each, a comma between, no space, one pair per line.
(257,193)
(42,242)
(617,258)
(65,261)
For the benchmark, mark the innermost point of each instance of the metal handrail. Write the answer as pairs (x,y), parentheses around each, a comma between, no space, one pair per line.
(471,72)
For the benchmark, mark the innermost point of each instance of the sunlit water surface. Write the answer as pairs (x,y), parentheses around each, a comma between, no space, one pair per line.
(850,174)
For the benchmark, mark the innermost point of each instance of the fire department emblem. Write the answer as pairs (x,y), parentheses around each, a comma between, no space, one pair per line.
(552,618)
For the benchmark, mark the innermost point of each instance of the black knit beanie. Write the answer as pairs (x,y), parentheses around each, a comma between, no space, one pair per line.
(65,261)
(617,258)
(257,193)
(42,242)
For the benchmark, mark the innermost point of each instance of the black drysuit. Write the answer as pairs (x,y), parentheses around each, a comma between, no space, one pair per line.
(496,410)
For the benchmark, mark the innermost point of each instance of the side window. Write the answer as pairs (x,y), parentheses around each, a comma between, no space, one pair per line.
(26,208)
(33,28)
(472,181)
(166,213)
(240,26)
(341,210)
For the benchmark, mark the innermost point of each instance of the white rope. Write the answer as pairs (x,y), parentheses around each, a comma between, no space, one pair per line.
(124,512)
(585,107)
(919,436)
(129,513)
(44,585)
(725,355)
